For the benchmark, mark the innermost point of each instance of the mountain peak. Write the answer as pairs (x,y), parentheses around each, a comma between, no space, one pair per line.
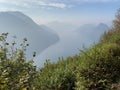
(102,24)
(12,12)
(18,15)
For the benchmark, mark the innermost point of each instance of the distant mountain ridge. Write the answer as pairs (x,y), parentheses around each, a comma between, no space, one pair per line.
(17,23)
(92,31)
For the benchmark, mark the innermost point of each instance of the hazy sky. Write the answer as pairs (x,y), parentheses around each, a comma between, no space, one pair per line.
(72,11)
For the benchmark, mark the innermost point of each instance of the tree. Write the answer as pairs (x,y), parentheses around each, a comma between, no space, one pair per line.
(116,22)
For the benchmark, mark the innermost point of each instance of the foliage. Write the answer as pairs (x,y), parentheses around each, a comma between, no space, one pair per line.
(113,34)
(60,76)
(15,72)
(99,68)
(100,65)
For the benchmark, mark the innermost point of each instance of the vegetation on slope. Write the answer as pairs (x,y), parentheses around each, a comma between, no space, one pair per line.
(96,68)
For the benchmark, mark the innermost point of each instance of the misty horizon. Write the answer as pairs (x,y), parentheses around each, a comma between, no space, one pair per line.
(57,28)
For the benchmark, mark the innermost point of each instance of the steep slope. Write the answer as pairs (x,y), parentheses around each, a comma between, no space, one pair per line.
(95,68)
(16,23)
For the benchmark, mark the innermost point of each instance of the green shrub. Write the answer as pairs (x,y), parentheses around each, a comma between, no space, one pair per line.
(60,76)
(99,68)
(15,72)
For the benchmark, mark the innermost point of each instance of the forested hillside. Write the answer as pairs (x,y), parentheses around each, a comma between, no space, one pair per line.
(96,68)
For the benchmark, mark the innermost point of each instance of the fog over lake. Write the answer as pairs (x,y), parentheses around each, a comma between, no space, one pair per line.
(71,41)
(52,40)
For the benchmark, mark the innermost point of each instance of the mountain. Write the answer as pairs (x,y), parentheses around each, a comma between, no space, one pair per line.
(16,23)
(92,31)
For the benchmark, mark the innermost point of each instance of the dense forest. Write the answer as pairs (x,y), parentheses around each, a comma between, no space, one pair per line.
(95,68)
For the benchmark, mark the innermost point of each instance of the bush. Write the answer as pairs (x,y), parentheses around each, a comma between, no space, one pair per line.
(99,68)
(15,72)
(60,76)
